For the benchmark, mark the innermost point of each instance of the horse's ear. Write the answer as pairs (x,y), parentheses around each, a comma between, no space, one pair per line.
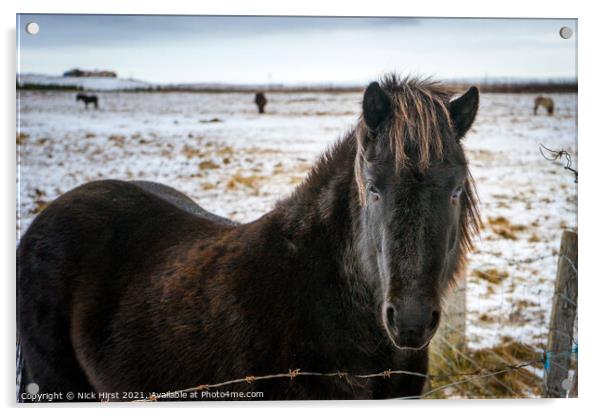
(376,105)
(463,110)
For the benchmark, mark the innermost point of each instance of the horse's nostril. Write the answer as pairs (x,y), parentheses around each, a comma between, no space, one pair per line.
(391,316)
(435,320)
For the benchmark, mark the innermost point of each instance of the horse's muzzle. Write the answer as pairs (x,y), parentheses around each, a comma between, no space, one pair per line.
(410,326)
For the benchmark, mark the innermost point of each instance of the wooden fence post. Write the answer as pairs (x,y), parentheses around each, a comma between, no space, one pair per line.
(564,310)
(453,320)
(575,387)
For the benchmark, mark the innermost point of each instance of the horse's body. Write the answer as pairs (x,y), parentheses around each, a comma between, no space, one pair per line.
(545,102)
(261,102)
(131,287)
(87,99)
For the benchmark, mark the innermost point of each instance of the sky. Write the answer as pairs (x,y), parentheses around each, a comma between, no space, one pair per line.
(296,50)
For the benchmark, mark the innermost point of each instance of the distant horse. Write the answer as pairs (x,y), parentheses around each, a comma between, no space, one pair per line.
(261,101)
(545,102)
(87,99)
(132,287)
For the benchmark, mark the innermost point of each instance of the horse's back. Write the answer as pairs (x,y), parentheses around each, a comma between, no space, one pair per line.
(116,218)
(181,201)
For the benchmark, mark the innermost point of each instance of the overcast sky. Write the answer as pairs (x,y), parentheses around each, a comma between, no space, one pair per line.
(166,49)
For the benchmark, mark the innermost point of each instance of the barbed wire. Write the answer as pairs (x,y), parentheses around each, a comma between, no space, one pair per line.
(475,376)
(555,155)
(468,377)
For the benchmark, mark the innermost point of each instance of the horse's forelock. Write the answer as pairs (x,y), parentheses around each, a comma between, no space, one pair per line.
(420,118)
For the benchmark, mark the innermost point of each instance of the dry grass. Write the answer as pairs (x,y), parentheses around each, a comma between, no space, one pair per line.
(452,367)
(117,139)
(492,275)
(192,152)
(250,181)
(504,228)
(208,164)
(21,137)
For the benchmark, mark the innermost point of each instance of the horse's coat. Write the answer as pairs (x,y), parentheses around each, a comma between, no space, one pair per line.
(131,287)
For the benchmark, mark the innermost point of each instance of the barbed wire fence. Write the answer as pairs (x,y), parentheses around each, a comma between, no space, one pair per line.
(472,377)
(557,156)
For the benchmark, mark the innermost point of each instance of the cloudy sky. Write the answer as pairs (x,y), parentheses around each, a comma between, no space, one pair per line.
(170,49)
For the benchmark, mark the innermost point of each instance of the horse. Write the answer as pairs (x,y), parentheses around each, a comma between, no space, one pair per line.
(132,287)
(545,102)
(260,101)
(87,99)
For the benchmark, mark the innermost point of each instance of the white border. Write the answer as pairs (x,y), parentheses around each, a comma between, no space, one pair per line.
(589,187)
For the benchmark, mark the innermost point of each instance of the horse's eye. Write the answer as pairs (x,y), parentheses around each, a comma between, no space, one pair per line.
(455,197)
(374,195)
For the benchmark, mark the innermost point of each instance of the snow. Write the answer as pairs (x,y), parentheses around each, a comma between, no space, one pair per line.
(236,163)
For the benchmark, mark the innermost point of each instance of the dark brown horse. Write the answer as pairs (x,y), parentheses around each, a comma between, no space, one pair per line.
(261,102)
(87,99)
(131,287)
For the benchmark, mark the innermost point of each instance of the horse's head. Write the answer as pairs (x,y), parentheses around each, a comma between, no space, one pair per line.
(418,208)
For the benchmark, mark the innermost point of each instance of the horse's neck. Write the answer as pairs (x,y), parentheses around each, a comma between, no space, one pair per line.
(321,213)
(319,221)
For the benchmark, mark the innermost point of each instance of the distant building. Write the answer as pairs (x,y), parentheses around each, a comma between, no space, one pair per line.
(76,72)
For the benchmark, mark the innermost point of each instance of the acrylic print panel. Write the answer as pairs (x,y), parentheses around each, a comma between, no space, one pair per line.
(275,208)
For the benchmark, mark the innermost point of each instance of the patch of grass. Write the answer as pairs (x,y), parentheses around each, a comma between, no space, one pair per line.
(225,151)
(504,228)
(492,275)
(191,152)
(486,318)
(473,369)
(279,168)
(21,137)
(251,181)
(39,203)
(119,140)
(296,180)
(208,164)
(524,303)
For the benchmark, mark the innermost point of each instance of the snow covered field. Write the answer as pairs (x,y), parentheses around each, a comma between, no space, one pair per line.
(236,163)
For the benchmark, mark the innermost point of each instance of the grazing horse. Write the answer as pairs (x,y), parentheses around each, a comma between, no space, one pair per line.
(545,102)
(132,287)
(87,99)
(261,101)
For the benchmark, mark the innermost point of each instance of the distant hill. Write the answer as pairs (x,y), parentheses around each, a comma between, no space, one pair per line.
(91,83)
(39,81)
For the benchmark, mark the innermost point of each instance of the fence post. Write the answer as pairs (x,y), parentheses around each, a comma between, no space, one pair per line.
(454,316)
(564,311)
(575,387)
